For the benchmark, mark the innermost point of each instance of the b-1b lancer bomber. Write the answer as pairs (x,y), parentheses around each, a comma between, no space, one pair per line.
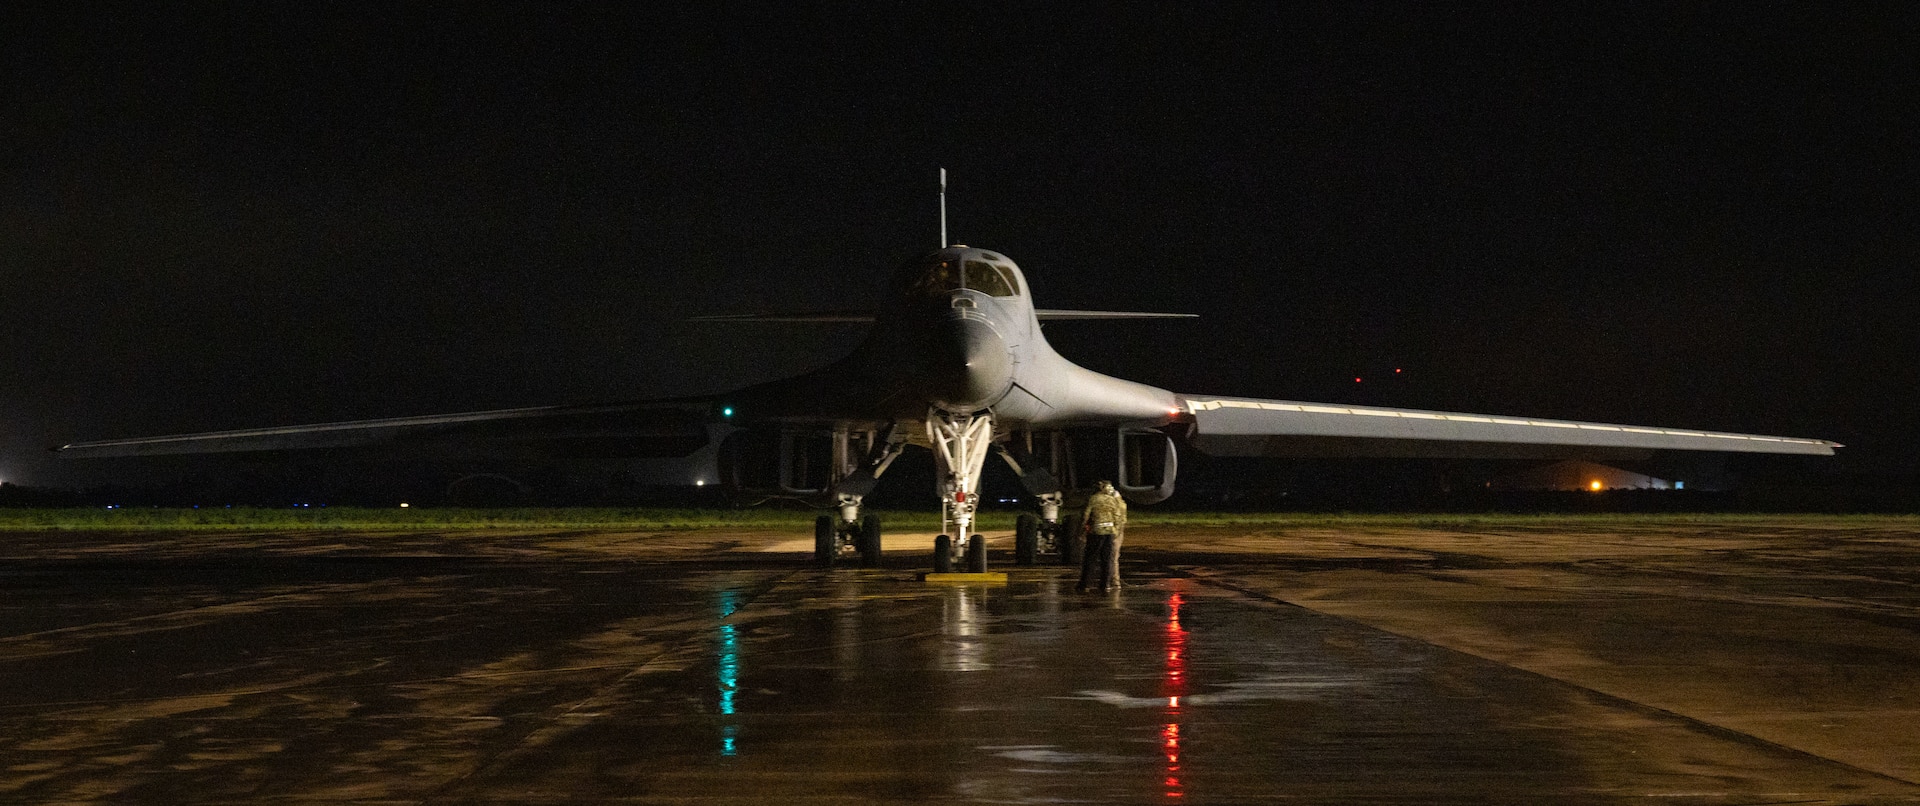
(955,362)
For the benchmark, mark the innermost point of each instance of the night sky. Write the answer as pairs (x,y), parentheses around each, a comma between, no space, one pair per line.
(240,214)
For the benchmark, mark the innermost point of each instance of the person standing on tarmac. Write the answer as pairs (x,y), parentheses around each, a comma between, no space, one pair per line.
(1106,520)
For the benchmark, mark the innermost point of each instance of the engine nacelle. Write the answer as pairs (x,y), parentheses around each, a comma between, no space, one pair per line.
(793,460)
(1148,464)
(1141,462)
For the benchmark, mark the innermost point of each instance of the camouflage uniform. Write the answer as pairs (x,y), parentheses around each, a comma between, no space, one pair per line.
(1106,520)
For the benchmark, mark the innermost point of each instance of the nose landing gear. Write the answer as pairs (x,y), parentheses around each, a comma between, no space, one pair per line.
(960,445)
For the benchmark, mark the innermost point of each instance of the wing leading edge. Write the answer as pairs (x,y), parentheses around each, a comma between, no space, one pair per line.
(658,428)
(1225,426)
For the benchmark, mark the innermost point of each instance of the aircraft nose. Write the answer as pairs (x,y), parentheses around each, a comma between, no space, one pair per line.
(975,369)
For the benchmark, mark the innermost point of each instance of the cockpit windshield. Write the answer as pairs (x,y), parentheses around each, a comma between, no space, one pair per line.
(987,278)
(938,275)
(933,278)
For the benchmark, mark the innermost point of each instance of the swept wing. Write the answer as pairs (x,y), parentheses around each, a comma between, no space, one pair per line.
(1234,426)
(654,428)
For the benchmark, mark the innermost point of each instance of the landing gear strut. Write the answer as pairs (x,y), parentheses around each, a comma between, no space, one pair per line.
(848,531)
(960,444)
(1044,534)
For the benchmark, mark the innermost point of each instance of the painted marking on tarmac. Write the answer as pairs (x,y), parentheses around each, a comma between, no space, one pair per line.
(987,578)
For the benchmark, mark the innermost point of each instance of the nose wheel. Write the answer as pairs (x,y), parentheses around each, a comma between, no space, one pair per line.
(947,556)
(943,554)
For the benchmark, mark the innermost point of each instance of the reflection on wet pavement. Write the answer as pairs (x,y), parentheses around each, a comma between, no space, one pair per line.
(539,668)
(1174,685)
(727,670)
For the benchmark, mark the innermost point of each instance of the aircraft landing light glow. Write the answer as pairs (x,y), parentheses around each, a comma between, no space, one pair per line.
(1594,485)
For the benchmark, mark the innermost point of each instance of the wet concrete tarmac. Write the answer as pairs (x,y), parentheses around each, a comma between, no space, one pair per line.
(1683,663)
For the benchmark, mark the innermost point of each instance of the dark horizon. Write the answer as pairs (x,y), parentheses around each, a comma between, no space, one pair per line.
(224,216)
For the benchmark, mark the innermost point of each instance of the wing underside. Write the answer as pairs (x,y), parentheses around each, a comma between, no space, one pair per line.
(666,428)
(1285,428)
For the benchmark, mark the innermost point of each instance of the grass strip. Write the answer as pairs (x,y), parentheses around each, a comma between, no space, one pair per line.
(424,518)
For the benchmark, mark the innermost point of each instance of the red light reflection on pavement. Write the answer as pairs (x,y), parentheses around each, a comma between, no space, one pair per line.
(1174,685)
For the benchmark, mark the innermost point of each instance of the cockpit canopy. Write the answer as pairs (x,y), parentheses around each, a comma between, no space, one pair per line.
(954,268)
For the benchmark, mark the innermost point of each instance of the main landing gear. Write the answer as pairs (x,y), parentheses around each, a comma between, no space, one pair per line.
(1046,534)
(847,533)
(1035,538)
(835,538)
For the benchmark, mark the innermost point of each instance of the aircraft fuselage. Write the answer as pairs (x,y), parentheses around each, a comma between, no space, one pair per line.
(958,333)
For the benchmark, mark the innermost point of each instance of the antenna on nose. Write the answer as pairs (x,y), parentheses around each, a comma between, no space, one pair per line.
(943,208)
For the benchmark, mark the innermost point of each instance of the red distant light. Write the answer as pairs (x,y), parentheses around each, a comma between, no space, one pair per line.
(1396,370)
(1356,380)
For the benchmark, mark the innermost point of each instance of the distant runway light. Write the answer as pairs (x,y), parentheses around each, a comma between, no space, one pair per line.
(404,505)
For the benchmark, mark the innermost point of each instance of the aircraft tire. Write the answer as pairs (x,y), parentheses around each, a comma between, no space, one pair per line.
(870,541)
(823,541)
(1072,542)
(943,554)
(1026,539)
(977,555)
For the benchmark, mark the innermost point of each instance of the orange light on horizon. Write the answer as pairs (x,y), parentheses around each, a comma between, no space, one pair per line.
(1594,485)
